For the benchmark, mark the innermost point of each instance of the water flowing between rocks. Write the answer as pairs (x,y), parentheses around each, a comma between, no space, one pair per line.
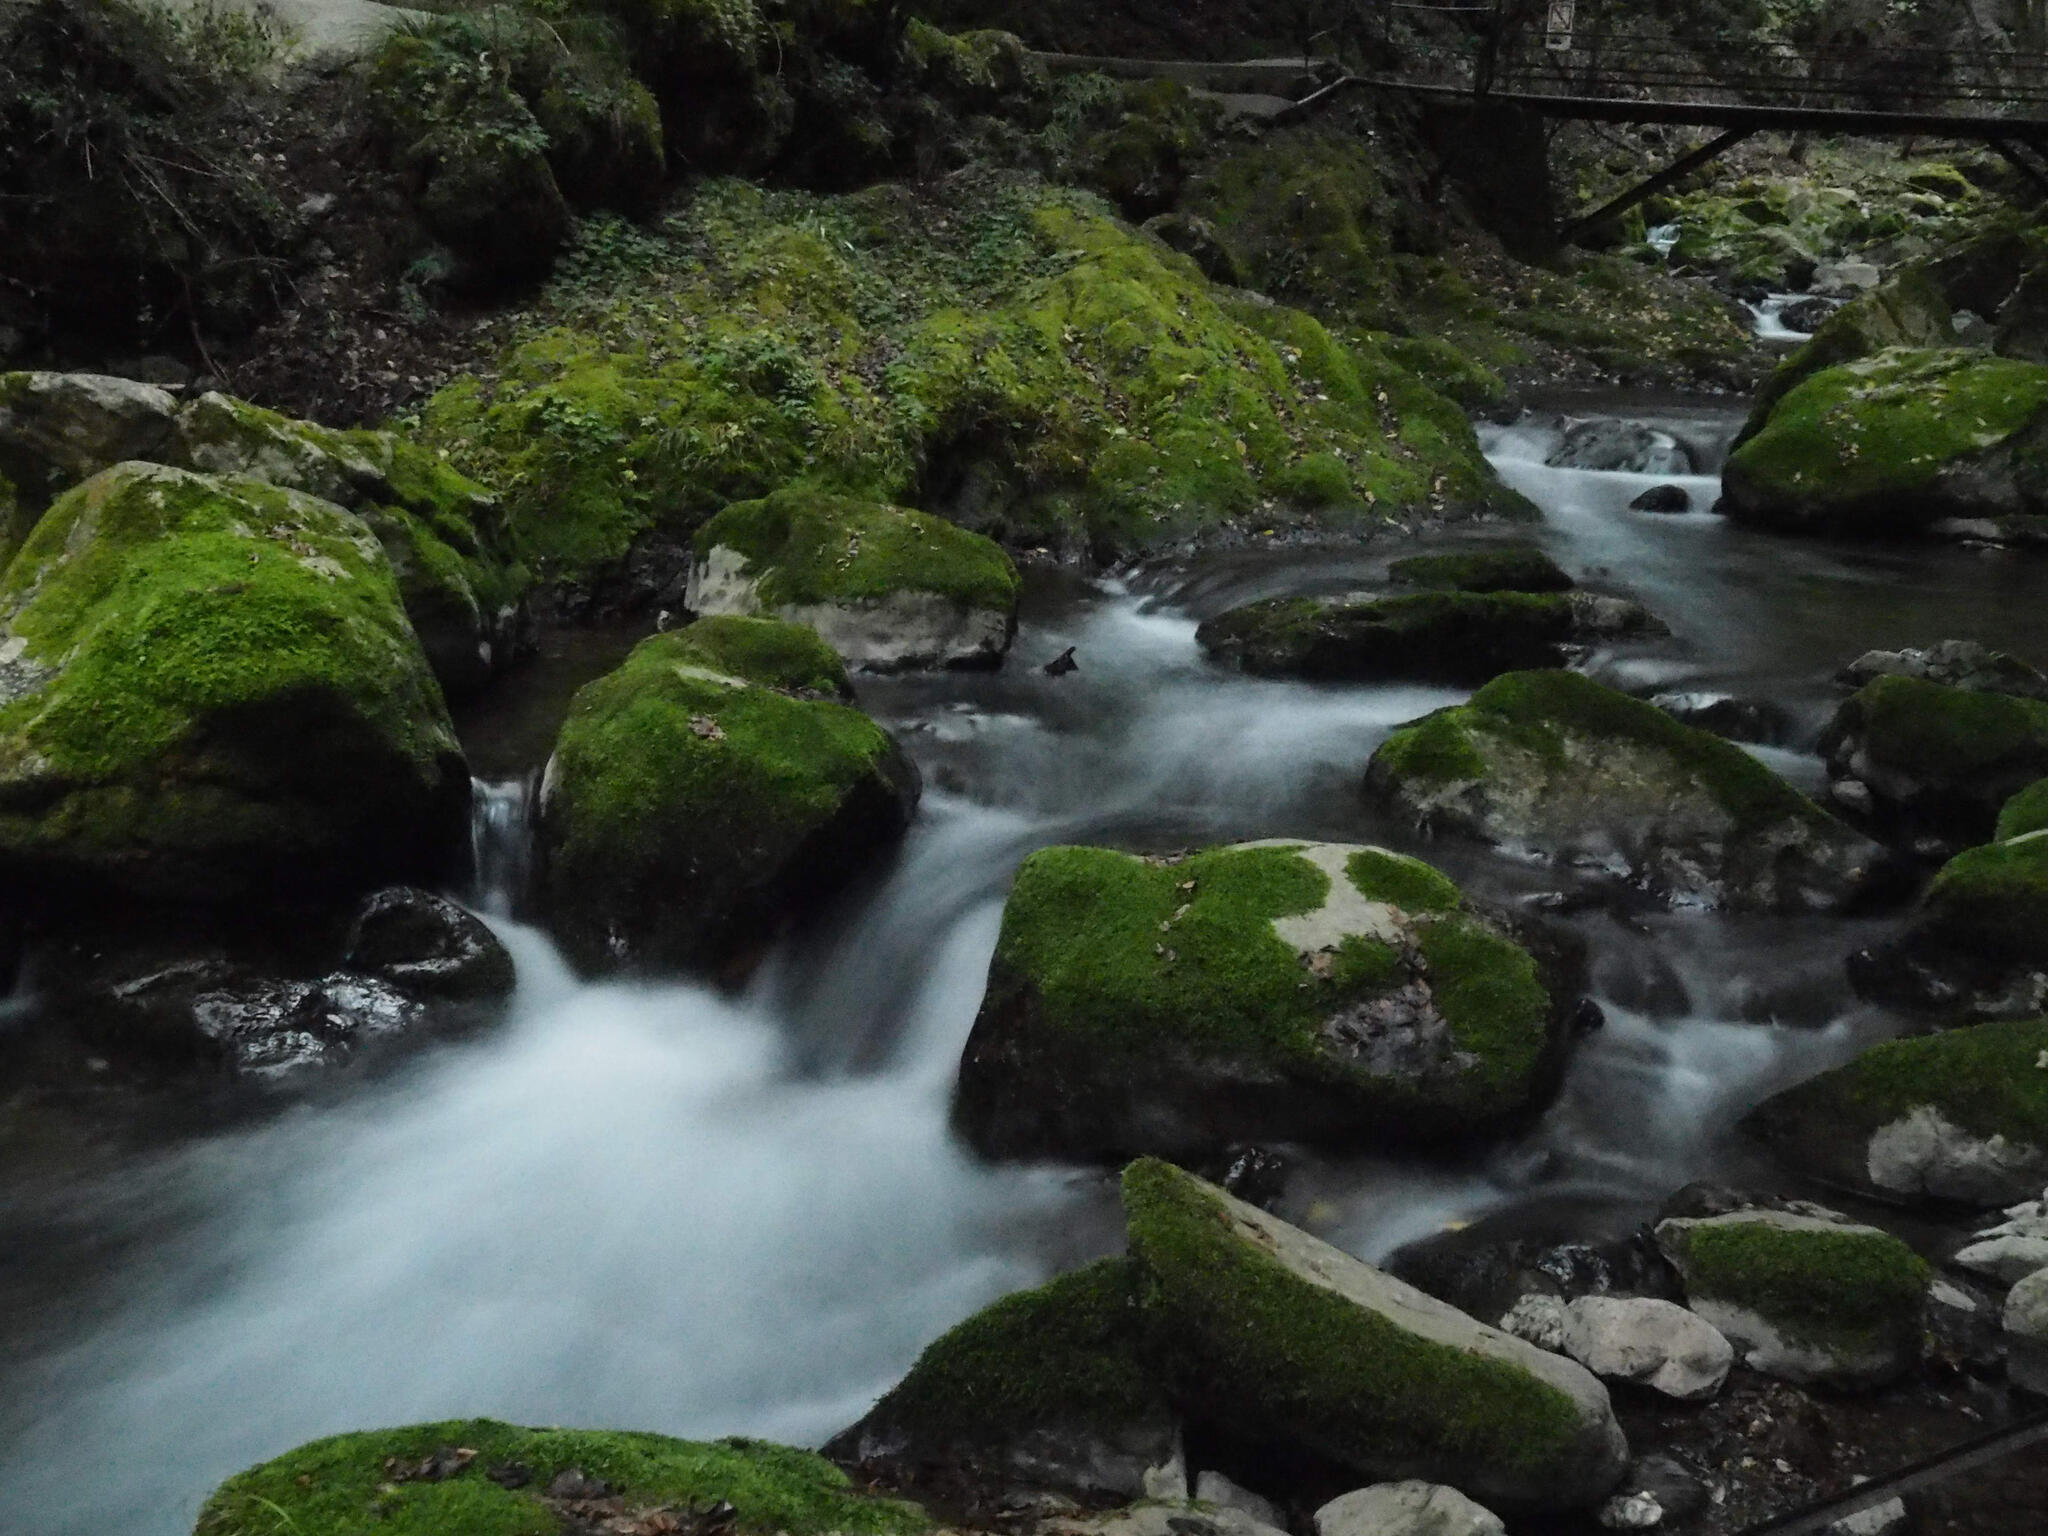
(662,1207)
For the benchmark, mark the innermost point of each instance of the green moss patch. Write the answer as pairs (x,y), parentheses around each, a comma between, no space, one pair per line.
(1992,902)
(1515,568)
(1849,1288)
(1946,736)
(1243,1332)
(2025,812)
(1409,884)
(1011,356)
(810,548)
(354,1483)
(1068,1354)
(1538,711)
(1983,1078)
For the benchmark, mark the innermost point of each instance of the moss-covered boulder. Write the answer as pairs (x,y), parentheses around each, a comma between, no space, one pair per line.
(209,690)
(1554,764)
(57,429)
(1814,1299)
(482,1478)
(1895,442)
(1977,945)
(1458,638)
(1909,311)
(465,590)
(1268,992)
(1009,356)
(1937,759)
(1500,568)
(888,589)
(1279,1336)
(709,788)
(1958,1116)
(1049,1388)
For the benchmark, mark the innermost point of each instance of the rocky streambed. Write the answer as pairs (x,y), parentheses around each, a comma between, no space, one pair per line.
(657,1204)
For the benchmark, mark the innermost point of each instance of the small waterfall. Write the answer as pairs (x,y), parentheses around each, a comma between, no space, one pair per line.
(501,843)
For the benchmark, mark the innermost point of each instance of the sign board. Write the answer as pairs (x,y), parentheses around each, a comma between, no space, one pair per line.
(1557,28)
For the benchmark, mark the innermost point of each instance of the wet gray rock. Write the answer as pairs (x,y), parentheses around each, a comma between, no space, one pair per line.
(1407,1509)
(1214,1488)
(1538,1319)
(1963,1324)
(1628,447)
(1651,1343)
(1963,664)
(57,429)
(1806,316)
(1663,498)
(2026,1333)
(1735,719)
(426,945)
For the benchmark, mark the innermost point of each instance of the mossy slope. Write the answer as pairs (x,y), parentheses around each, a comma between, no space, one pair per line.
(1895,441)
(1237,994)
(354,1483)
(1009,355)
(1556,763)
(211,688)
(706,788)
(1282,1336)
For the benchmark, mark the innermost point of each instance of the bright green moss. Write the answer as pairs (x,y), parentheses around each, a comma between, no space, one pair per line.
(774,655)
(343,1486)
(1069,1353)
(163,599)
(1908,311)
(1845,1288)
(2025,812)
(812,548)
(1875,432)
(1321,480)
(1985,1078)
(1510,568)
(1095,387)
(1407,883)
(1942,735)
(1538,711)
(1241,1330)
(1141,956)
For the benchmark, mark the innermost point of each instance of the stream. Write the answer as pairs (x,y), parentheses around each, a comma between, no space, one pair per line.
(657,1206)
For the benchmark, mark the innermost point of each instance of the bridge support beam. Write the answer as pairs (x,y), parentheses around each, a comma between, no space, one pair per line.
(1675,172)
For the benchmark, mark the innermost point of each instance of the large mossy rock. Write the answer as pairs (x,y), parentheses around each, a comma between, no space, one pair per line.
(1292,992)
(482,1478)
(1009,356)
(1280,1337)
(209,691)
(1554,764)
(1895,442)
(464,587)
(708,788)
(1814,1299)
(1458,638)
(1958,1116)
(1050,1388)
(888,589)
(1977,945)
(1936,758)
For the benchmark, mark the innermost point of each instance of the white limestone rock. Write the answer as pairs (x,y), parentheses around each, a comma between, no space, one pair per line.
(1407,1509)
(1653,1343)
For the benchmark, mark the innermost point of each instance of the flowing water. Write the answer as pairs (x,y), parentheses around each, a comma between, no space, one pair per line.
(656,1206)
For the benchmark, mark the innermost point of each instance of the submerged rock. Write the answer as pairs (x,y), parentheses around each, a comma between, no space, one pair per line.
(1736,719)
(1496,568)
(1954,664)
(1959,1116)
(1893,443)
(1269,992)
(1626,447)
(1047,1389)
(1817,1300)
(490,1479)
(1554,764)
(1456,637)
(1976,947)
(1937,759)
(706,790)
(887,589)
(1663,498)
(427,945)
(1276,1335)
(209,692)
